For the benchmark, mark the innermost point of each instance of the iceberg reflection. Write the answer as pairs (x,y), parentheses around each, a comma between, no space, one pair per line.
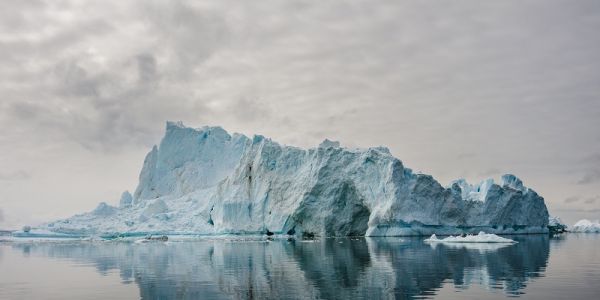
(372,268)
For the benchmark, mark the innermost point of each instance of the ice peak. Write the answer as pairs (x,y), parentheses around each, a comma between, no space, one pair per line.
(382,149)
(104,209)
(327,143)
(513,182)
(214,130)
(174,124)
(126,200)
(206,131)
(257,138)
(473,192)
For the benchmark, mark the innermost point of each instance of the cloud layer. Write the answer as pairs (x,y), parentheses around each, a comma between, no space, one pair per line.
(469,89)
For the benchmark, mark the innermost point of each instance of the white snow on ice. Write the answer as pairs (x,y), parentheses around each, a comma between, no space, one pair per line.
(482,237)
(586,226)
(554,221)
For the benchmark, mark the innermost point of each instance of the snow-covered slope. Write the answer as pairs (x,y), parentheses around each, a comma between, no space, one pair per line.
(206,181)
(586,226)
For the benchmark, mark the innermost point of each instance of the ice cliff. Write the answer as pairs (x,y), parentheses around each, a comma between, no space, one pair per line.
(207,181)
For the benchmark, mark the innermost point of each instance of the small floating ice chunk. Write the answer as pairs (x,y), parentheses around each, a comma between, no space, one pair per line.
(482,237)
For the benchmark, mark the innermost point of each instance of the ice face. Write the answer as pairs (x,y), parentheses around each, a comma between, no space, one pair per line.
(189,159)
(207,181)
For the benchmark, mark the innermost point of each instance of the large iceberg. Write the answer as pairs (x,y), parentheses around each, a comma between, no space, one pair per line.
(207,181)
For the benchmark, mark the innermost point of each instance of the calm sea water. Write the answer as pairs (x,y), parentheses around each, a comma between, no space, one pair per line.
(538,267)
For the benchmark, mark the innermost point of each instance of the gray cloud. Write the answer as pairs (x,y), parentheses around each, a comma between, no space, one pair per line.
(466,155)
(471,86)
(572,199)
(490,172)
(591,166)
(248,110)
(591,176)
(592,210)
(147,72)
(192,54)
(103,99)
(14,176)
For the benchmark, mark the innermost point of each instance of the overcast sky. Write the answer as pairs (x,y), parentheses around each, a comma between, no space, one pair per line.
(454,88)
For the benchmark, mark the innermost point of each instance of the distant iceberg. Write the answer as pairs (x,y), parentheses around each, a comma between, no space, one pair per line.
(207,181)
(482,237)
(38,235)
(555,221)
(556,225)
(586,226)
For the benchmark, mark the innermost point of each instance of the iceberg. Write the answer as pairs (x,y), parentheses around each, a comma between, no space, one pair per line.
(555,221)
(206,181)
(586,226)
(556,225)
(482,237)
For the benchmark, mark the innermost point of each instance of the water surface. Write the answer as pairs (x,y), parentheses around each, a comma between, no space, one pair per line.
(538,267)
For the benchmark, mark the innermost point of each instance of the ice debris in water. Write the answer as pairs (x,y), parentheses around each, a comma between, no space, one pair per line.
(586,226)
(482,237)
(207,181)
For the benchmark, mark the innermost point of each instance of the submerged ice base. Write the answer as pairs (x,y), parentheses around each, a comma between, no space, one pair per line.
(206,181)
